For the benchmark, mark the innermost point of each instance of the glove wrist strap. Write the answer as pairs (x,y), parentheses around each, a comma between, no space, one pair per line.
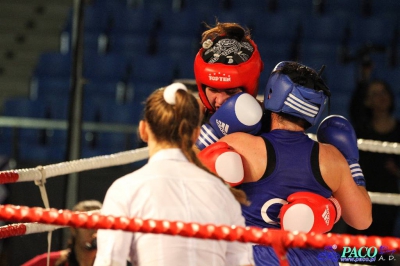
(357,174)
(337,207)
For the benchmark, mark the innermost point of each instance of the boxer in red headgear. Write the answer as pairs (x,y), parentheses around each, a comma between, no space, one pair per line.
(228,64)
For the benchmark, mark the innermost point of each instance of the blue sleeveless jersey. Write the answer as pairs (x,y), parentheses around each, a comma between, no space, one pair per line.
(292,173)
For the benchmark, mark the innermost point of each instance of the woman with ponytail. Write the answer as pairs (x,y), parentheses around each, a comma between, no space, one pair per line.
(172,186)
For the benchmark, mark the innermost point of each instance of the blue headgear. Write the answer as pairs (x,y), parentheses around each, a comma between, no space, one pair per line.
(283,95)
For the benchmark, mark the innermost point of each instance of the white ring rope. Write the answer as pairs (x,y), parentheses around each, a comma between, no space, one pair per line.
(131,156)
(125,157)
(385,198)
(373,145)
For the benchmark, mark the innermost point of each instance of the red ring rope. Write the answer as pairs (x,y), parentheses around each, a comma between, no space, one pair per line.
(280,240)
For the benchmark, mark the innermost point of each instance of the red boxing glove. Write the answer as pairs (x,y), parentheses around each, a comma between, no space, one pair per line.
(222,160)
(309,212)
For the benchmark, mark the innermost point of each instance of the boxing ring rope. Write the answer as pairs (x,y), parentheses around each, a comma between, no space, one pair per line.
(280,240)
(39,220)
(40,173)
(19,229)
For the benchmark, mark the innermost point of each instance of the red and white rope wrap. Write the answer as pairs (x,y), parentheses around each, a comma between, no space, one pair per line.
(31,228)
(38,173)
(280,240)
(26,229)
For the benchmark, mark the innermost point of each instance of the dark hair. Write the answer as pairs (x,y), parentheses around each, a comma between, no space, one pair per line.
(87,205)
(227,29)
(82,206)
(388,89)
(306,77)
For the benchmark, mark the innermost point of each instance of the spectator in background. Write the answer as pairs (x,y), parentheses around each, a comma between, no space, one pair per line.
(82,245)
(381,170)
(357,109)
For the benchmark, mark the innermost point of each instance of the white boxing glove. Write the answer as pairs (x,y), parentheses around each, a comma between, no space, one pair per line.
(239,113)
(222,160)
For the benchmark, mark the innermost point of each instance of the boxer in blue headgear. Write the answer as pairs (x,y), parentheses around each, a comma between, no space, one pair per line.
(296,90)
(292,181)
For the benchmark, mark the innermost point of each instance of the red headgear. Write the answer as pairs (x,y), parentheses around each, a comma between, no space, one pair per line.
(224,75)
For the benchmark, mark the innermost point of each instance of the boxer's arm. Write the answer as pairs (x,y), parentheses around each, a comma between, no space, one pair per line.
(338,131)
(348,187)
(354,200)
(240,113)
(222,160)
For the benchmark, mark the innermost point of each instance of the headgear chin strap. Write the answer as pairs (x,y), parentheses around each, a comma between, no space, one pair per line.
(283,95)
(224,63)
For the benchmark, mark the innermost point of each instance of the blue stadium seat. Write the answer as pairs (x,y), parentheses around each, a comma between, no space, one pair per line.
(344,8)
(298,7)
(129,45)
(155,6)
(327,28)
(226,16)
(57,107)
(390,75)
(157,68)
(132,21)
(187,23)
(92,42)
(340,103)
(96,19)
(113,92)
(341,78)
(371,30)
(250,7)
(274,51)
(53,64)
(107,4)
(387,8)
(318,53)
(185,68)
(100,143)
(276,26)
(24,107)
(109,67)
(6,142)
(33,144)
(142,89)
(129,113)
(42,87)
(41,153)
(204,6)
(177,46)
(96,23)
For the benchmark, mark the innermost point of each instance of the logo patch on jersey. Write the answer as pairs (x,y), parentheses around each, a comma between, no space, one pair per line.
(223,127)
(326,215)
